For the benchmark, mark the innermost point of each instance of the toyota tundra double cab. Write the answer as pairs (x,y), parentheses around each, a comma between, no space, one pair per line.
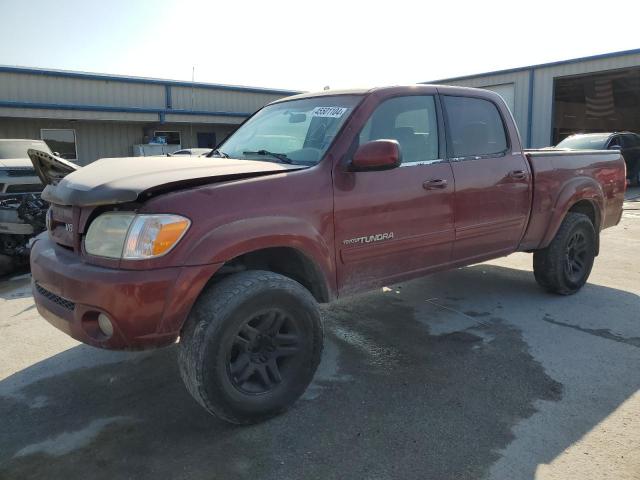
(315,197)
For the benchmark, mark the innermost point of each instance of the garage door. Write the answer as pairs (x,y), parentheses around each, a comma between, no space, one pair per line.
(599,102)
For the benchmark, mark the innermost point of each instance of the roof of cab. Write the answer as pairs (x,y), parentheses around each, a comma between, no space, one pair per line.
(366,91)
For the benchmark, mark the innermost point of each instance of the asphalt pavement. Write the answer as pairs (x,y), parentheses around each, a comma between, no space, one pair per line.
(473,373)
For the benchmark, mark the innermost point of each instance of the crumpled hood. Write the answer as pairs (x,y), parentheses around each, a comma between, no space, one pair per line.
(120,180)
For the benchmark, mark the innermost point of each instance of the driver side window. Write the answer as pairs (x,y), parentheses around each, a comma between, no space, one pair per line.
(411,121)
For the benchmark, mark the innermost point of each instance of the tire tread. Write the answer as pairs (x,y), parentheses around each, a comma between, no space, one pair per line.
(216,300)
(548,268)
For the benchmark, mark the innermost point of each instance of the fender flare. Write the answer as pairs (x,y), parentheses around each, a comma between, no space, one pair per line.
(243,236)
(574,191)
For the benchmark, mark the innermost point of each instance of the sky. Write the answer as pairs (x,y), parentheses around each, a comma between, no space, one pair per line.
(302,45)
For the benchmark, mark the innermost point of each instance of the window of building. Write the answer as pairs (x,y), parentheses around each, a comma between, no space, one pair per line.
(411,121)
(61,141)
(475,126)
(167,137)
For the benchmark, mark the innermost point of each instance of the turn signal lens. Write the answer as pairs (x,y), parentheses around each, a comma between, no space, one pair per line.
(153,235)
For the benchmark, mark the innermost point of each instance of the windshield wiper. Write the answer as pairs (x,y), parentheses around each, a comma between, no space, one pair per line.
(280,156)
(217,153)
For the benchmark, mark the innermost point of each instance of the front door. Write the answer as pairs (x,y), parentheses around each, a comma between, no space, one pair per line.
(395,224)
(492,179)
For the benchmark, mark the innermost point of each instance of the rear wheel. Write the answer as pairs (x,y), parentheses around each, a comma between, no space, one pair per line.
(251,346)
(564,266)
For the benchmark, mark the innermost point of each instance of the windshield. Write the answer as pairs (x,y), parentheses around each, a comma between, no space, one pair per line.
(18,148)
(297,131)
(585,142)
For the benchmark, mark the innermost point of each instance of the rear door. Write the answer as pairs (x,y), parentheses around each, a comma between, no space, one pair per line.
(492,198)
(394,224)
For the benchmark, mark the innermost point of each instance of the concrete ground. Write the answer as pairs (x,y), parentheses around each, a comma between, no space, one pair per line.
(473,373)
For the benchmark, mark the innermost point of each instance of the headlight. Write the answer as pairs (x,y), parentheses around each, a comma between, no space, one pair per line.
(134,237)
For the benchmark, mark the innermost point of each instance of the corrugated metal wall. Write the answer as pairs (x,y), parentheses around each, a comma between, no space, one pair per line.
(110,114)
(21,87)
(113,93)
(543,89)
(542,100)
(96,140)
(187,98)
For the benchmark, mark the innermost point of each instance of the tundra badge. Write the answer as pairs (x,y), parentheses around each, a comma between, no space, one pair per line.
(378,237)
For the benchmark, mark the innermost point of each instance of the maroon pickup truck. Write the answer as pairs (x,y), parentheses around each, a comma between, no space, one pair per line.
(314,197)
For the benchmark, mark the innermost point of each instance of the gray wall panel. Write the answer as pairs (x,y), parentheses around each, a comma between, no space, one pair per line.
(19,87)
(186,98)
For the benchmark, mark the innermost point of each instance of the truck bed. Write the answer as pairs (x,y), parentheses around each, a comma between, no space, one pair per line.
(560,177)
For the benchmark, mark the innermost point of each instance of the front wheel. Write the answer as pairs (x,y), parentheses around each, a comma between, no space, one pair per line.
(251,346)
(564,266)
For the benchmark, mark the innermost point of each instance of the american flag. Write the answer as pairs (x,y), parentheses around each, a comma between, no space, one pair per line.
(600,101)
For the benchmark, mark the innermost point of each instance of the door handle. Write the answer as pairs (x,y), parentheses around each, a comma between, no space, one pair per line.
(518,174)
(435,184)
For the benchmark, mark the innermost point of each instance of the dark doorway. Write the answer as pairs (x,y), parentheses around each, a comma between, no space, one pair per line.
(206,140)
(602,102)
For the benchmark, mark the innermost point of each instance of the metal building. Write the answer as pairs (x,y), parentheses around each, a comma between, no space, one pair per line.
(552,100)
(89,116)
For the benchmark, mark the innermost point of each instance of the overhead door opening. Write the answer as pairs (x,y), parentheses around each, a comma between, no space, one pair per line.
(602,102)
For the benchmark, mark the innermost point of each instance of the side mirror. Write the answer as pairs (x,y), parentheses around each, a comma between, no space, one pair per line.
(615,147)
(376,155)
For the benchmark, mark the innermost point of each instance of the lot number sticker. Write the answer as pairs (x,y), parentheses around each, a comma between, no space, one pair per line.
(328,112)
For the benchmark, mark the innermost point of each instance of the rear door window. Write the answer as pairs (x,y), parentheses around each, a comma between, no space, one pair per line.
(475,127)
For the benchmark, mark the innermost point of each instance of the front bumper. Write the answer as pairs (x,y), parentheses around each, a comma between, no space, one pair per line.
(146,307)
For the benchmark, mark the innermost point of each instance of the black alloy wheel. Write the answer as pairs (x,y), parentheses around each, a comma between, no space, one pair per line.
(261,352)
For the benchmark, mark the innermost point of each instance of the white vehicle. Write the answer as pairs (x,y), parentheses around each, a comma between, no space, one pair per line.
(17,174)
(193,152)
(22,213)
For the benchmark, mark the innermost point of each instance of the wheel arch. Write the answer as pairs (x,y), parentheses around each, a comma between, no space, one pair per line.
(285,245)
(285,260)
(581,195)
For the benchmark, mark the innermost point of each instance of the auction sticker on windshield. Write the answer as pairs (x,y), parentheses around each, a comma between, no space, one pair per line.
(331,112)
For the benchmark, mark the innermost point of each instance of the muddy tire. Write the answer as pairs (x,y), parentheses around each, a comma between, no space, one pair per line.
(250,346)
(564,266)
